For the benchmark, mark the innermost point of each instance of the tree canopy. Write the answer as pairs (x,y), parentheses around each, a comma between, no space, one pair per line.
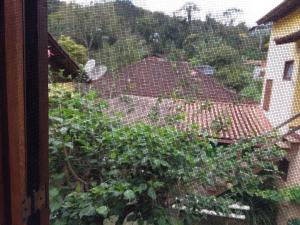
(118,33)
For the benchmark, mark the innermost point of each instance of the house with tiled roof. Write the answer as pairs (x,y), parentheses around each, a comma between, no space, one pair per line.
(281,99)
(158,77)
(165,85)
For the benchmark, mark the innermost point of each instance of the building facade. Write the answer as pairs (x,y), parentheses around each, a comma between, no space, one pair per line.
(281,92)
(282,82)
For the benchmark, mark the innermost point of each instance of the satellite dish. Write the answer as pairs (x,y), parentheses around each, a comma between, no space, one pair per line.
(98,72)
(101,70)
(90,66)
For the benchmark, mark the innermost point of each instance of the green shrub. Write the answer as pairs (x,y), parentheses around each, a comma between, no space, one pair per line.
(102,169)
(294,222)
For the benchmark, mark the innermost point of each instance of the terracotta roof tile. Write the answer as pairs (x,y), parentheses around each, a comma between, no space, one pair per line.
(239,120)
(154,77)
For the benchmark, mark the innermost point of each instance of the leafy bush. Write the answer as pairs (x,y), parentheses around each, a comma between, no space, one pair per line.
(235,76)
(217,56)
(104,170)
(294,222)
(253,91)
(123,52)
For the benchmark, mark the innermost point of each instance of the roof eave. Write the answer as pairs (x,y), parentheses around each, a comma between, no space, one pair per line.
(294,37)
(279,11)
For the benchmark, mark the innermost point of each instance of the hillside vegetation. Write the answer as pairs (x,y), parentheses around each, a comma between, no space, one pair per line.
(118,33)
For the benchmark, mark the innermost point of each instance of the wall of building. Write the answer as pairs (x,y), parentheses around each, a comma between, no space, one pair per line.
(289,210)
(281,106)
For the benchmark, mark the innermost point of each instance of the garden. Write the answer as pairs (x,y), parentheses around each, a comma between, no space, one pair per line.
(103,171)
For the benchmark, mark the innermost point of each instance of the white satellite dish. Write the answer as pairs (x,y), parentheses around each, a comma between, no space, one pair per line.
(98,72)
(90,66)
(101,70)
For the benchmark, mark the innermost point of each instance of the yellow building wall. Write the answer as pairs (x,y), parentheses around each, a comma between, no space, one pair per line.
(287,25)
(296,100)
(281,28)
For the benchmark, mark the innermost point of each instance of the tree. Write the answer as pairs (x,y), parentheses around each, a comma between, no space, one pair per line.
(189,8)
(124,51)
(253,90)
(88,25)
(236,77)
(215,54)
(76,51)
(231,15)
(54,5)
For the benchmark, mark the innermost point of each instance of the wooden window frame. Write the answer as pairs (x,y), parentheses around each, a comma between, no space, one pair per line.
(267,94)
(23,33)
(286,67)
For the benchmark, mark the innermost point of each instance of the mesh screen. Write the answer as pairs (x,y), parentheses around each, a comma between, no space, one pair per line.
(174,112)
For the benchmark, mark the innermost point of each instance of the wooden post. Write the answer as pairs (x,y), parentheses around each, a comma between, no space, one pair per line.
(24,113)
(36,108)
(12,112)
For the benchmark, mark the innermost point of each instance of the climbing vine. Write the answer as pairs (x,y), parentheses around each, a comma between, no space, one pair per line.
(102,170)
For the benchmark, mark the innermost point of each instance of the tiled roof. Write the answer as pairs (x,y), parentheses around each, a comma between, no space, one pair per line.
(225,121)
(155,77)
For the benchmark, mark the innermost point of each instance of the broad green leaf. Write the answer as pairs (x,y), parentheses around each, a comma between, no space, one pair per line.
(151,193)
(88,211)
(102,211)
(129,195)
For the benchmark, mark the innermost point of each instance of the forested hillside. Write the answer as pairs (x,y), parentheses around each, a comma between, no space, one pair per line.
(118,33)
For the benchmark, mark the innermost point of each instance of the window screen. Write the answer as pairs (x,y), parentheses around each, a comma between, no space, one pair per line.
(159,112)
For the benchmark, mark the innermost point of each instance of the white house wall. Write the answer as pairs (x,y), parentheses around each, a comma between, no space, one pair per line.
(283,90)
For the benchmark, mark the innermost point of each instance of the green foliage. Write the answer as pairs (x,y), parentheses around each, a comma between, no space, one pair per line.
(103,170)
(291,194)
(235,76)
(54,76)
(124,51)
(118,33)
(294,221)
(89,25)
(76,51)
(263,211)
(210,50)
(253,91)
(54,5)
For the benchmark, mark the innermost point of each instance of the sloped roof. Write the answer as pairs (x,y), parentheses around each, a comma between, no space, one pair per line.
(280,11)
(59,59)
(227,121)
(155,77)
(237,120)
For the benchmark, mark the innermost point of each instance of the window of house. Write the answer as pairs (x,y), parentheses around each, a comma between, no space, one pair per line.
(268,94)
(288,70)
(283,167)
(262,73)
